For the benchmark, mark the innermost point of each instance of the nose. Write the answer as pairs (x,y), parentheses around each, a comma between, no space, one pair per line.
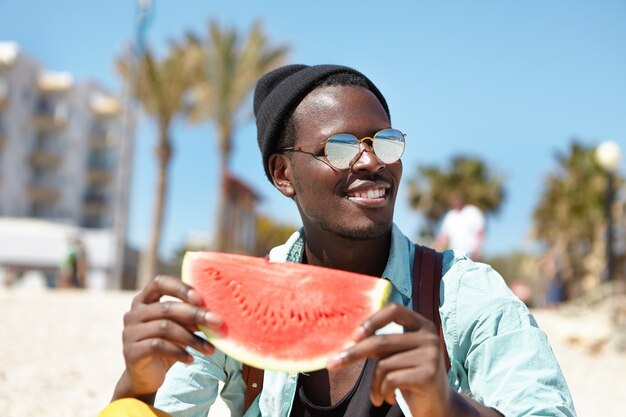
(366,160)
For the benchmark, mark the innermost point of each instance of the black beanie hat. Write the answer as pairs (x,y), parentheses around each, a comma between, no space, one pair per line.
(280,91)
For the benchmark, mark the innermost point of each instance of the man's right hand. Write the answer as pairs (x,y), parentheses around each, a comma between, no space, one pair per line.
(156,334)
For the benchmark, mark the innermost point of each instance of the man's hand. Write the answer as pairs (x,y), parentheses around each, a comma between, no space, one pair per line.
(156,334)
(412,362)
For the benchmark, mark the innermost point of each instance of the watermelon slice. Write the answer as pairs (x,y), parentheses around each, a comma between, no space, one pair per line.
(282,316)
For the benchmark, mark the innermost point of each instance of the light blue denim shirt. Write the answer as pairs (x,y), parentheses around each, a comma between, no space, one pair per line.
(498,354)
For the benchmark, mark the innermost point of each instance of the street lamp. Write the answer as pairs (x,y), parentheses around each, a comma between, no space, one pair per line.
(608,155)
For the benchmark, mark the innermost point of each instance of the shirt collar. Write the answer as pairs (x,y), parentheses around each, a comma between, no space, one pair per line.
(399,264)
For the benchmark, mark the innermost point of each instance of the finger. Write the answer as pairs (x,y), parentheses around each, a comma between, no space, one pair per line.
(411,359)
(378,346)
(186,314)
(410,320)
(166,285)
(156,347)
(169,331)
(406,379)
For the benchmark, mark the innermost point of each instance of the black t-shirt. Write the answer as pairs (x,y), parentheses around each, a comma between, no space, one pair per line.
(356,402)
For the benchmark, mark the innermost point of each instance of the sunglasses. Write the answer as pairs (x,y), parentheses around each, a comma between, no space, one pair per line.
(343,149)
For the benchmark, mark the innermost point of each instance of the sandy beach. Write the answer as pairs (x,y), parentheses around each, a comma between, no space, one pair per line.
(60,354)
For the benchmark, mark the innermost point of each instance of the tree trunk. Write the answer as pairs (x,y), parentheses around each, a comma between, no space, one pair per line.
(150,256)
(222,241)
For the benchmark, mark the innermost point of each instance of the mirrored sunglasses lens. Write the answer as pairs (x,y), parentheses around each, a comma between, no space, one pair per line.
(389,145)
(341,150)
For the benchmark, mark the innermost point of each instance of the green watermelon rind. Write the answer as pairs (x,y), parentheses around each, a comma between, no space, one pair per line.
(378,296)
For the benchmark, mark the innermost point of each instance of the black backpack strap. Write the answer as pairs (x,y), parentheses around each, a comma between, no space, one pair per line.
(427,270)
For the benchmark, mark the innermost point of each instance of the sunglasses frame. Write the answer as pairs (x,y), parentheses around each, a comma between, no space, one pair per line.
(359,141)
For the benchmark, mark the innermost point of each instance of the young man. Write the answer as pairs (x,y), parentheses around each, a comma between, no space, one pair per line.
(345,188)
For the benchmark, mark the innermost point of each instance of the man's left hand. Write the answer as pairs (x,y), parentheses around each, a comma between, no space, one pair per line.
(411,361)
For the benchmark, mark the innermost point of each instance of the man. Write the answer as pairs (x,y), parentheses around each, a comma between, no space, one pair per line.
(345,188)
(462,229)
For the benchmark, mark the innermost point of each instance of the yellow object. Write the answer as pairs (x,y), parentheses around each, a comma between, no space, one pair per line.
(131,407)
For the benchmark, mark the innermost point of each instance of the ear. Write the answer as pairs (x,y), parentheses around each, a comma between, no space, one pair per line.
(280,170)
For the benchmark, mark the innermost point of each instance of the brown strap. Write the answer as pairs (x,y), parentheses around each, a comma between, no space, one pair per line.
(426,284)
(253,378)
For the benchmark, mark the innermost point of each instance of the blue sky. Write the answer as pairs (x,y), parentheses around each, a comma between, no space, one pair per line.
(508,81)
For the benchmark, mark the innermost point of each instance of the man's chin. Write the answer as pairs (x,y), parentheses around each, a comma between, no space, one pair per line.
(371,232)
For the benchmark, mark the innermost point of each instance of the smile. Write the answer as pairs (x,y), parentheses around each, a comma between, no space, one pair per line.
(370,197)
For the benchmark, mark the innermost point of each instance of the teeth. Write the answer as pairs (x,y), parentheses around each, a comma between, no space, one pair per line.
(375,193)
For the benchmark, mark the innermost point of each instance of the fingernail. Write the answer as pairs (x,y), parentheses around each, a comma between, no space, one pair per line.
(358,334)
(194,297)
(214,319)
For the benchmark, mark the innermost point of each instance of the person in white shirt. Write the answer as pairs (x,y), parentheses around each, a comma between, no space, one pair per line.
(462,229)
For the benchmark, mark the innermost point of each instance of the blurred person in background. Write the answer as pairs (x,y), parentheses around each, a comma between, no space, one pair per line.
(73,270)
(462,229)
(555,293)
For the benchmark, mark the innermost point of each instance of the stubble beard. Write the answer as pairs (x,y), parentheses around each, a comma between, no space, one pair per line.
(370,232)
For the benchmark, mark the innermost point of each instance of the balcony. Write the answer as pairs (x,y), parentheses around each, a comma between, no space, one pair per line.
(95,202)
(47,154)
(105,106)
(50,114)
(101,137)
(43,190)
(55,82)
(45,159)
(99,176)
(101,167)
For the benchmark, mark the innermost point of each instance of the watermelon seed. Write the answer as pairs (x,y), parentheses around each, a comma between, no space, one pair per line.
(213,273)
(266,308)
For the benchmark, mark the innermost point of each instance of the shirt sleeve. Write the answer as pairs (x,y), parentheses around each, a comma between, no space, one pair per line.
(191,390)
(507,359)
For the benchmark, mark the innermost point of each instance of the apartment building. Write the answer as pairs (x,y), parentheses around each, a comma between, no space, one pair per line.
(65,152)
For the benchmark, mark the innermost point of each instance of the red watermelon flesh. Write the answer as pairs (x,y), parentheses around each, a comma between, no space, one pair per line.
(282,316)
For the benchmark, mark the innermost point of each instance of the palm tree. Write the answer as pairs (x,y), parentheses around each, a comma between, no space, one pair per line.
(431,188)
(229,70)
(160,86)
(569,217)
